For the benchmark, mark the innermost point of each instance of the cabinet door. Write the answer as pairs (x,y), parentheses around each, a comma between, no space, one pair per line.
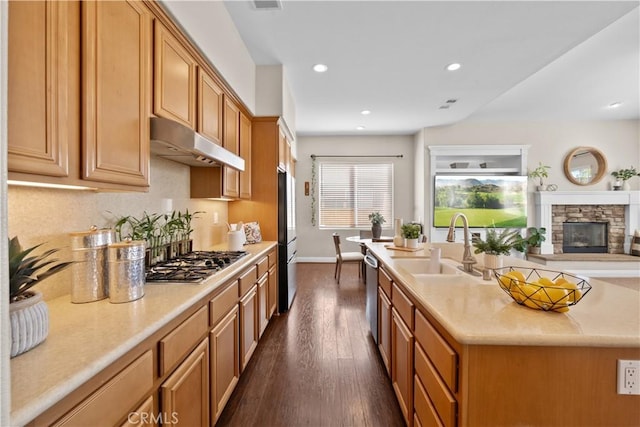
(225,360)
(384,329)
(38,87)
(402,365)
(273,291)
(263,303)
(231,141)
(210,106)
(282,150)
(249,333)
(174,83)
(143,416)
(245,153)
(116,48)
(185,394)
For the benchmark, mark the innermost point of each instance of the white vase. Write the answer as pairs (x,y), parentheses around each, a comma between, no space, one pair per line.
(626,186)
(492,261)
(29,323)
(411,243)
(398,240)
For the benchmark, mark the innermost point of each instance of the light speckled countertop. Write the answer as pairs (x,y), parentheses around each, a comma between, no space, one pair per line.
(86,338)
(477,312)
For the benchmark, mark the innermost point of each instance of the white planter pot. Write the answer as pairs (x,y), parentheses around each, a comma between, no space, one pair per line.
(29,323)
(493,261)
(411,243)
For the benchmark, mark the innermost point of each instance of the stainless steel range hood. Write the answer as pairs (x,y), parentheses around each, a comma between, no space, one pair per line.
(175,141)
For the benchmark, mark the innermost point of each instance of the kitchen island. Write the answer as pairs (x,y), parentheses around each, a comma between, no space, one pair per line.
(90,345)
(473,356)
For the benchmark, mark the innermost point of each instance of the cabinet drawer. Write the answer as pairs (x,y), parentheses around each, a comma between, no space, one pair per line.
(273,258)
(177,344)
(403,305)
(263,267)
(142,416)
(443,357)
(437,391)
(384,281)
(223,302)
(425,413)
(116,398)
(247,280)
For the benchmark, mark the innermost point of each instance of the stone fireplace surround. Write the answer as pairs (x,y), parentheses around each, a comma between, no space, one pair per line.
(597,205)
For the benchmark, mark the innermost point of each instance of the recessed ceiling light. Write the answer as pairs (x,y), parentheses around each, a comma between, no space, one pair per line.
(365,112)
(360,128)
(614,104)
(320,68)
(453,67)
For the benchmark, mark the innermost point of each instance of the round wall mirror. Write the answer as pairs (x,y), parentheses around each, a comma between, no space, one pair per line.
(585,166)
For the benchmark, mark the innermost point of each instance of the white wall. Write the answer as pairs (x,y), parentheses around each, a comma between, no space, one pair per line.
(317,245)
(550,142)
(211,28)
(38,215)
(274,98)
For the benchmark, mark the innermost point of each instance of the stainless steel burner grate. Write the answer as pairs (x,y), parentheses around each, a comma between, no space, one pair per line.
(193,267)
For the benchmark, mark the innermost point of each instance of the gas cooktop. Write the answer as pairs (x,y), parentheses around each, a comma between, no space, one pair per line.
(193,267)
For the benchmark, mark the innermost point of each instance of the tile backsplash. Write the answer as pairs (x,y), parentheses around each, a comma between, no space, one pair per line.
(38,215)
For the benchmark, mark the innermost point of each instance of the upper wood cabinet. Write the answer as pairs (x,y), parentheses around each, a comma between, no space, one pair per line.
(174,79)
(283,160)
(231,141)
(210,107)
(39,91)
(245,153)
(116,96)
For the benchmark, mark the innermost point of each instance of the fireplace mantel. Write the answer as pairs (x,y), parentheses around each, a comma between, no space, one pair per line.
(544,200)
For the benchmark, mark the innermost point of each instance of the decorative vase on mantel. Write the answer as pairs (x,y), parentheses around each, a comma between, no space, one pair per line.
(29,320)
(398,240)
(625,185)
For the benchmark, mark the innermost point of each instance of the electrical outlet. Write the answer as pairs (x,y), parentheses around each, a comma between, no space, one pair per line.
(628,376)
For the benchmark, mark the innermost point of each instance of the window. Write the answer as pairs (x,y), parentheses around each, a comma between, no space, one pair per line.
(349,192)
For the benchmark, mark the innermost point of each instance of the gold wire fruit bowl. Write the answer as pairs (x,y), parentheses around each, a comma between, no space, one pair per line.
(542,289)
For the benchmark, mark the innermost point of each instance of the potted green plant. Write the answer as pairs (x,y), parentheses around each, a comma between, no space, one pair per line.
(411,233)
(540,172)
(534,239)
(495,245)
(377,220)
(28,313)
(622,176)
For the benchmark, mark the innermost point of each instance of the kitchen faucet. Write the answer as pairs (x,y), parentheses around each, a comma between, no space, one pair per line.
(467,259)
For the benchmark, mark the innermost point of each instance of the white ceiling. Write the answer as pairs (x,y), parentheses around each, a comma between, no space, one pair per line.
(520,60)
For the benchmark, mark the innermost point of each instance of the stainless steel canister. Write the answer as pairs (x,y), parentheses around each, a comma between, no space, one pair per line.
(89,281)
(126,271)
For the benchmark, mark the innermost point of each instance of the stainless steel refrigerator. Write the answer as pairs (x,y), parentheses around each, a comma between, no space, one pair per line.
(286,241)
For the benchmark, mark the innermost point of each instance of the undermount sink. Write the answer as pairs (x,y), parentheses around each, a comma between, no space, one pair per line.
(422,266)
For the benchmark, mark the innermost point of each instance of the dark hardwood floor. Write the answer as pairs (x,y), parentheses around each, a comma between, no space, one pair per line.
(316,365)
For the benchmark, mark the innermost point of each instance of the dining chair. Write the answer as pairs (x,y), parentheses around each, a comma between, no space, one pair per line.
(345,257)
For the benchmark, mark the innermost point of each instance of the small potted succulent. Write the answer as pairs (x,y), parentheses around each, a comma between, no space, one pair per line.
(377,220)
(496,245)
(622,176)
(540,172)
(411,233)
(28,313)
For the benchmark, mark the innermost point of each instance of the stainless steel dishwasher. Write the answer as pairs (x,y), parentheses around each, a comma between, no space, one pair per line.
(371,283)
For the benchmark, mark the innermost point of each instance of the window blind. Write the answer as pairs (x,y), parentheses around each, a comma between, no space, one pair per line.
(349,192)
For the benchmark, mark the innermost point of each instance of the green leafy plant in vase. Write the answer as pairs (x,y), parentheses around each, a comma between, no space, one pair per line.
(495,245)
(411,233)
(622,176)
(28,313)
(540,172)
(376,220)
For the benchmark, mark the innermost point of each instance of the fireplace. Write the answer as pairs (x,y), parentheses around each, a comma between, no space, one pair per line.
(585,237)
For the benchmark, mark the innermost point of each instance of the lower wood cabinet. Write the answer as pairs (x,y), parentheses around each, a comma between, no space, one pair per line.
(273,290)
(184,396)
(225,360)
(249,333)
(384,329)
(263,303)
(143,416)
(402,365)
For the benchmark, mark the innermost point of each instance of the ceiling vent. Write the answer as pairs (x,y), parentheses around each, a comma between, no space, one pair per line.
(267,4)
